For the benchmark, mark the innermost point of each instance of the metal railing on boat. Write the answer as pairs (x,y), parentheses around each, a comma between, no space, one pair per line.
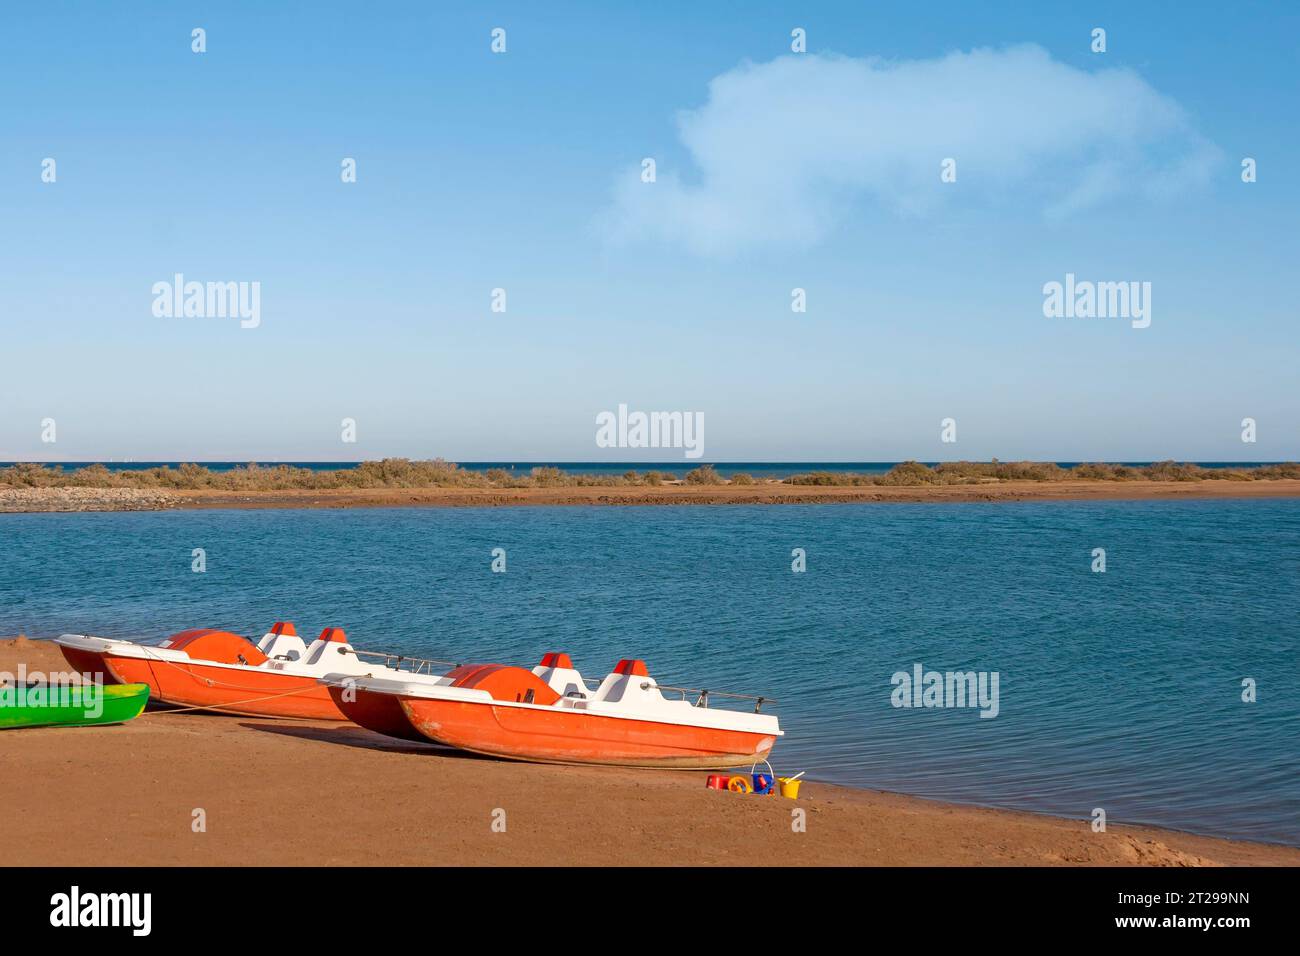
(424,665)
(704,694)
(414,665)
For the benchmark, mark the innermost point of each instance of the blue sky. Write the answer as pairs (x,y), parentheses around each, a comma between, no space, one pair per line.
(775,171)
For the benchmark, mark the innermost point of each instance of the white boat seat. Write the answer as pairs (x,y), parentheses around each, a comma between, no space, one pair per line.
(332,642)
(285,648)
(282,643)
(625,684)
(558,672)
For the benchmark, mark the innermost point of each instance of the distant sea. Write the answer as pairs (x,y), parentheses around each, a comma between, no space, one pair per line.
(759,469)
(1120,690)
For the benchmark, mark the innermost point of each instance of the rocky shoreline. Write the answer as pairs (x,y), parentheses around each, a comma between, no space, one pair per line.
(85,499)
(54,499)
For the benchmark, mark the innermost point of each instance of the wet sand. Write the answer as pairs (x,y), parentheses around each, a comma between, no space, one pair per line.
(764,493)
(308,793)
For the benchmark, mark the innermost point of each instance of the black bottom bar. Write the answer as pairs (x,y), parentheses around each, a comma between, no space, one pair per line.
(234,906)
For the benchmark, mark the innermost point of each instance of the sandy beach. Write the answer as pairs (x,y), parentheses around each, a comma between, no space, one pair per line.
(765,493)
(305,793)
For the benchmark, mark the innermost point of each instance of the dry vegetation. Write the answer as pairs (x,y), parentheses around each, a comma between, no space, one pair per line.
(971,472)
(404,473)
(389,473)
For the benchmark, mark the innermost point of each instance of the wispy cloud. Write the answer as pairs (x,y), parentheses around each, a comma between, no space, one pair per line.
(782,150)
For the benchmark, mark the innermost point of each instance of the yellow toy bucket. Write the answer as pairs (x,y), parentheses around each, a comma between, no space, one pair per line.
(789,786)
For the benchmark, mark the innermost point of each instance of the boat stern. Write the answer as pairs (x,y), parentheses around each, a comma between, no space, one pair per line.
(88,655)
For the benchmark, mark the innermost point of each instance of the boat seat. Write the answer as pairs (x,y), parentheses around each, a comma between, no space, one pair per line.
(624,683)
(282,642)
(558,672)
(331,643)
(282,645)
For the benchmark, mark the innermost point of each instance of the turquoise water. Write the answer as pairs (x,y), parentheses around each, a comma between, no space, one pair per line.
(1119,690)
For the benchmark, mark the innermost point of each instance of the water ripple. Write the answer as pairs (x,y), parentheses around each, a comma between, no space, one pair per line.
(1119,690)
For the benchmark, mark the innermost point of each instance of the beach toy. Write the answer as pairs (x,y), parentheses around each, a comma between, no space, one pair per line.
(739,785)
(790,785)
(718,781)
(764,783)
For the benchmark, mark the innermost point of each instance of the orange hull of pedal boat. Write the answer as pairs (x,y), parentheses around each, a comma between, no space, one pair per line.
(220,671)
(549,715)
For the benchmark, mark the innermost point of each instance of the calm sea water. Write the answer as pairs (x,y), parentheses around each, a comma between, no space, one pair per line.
(1119,690)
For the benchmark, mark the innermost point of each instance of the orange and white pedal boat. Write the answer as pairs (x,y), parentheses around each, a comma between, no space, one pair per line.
(221,671)
(550,715)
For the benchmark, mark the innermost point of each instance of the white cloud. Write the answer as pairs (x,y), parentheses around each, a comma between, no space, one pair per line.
(782,150)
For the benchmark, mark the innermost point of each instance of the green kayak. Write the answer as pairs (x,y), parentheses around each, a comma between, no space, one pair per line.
(70,706)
